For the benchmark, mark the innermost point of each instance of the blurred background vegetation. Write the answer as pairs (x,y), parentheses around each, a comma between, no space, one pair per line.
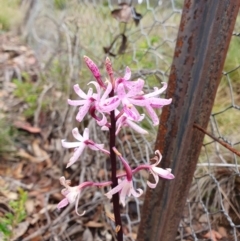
(42,44)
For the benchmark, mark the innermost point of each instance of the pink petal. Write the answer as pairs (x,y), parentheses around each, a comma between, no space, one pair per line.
(136,194)
(109,105)
(125,191)
(136,88)
(120,122)
(136,127)
(162,172)
(153,185)
(97,86)
(63,203)
(86,134)
(83,110)
(114,190)
(121,91)
(139,102)
(96,147)
(157,91)
(158,102)
(127,75)
(62,180)
(103,121)
(67,144)
(159,156)
(79,92)
(76,134)
(107,91)
(76,102)
(152,115)
(76,155)
(131,112)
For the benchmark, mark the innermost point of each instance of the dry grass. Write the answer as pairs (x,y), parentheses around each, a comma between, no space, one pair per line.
(84,29)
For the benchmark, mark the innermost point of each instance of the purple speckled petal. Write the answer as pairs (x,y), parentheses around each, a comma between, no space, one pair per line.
(136,88)
(107,91)
(131,112)
(159,102)
(83,111)
(127,75)
(109,105)
(152,115)
(121,91)
(157,91)
(139,102)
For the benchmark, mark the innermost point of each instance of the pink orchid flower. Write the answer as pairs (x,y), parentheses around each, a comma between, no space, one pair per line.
(125,189)
(125,120)
(79,145)
(103,104)
(94,102)
(158,171)
(152,100)
(125,186)
(125,80)
(130,94)
(72,194)
(85,103)
(126,97)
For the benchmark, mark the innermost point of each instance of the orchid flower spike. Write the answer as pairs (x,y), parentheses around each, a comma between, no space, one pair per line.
(158,171)
(79,145)
(125,186)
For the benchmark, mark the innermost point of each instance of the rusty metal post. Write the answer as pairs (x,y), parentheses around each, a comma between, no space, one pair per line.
(203,39)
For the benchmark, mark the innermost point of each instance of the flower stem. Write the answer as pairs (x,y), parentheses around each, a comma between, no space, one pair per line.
(115,198)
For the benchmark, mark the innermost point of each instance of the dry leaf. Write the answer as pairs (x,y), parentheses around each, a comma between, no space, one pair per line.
(222,231)
(212,234)
(26,126)
(22,153)
(40,153)
(87,235)
(117,229)
(93,224)
(29,205)
(9,195)
(110,215)
(20,230)
(123,14)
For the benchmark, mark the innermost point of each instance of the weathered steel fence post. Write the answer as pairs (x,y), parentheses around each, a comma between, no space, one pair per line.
(203,39)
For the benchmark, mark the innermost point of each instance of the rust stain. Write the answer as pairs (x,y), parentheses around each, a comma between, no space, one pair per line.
(187,4)
(180,43)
